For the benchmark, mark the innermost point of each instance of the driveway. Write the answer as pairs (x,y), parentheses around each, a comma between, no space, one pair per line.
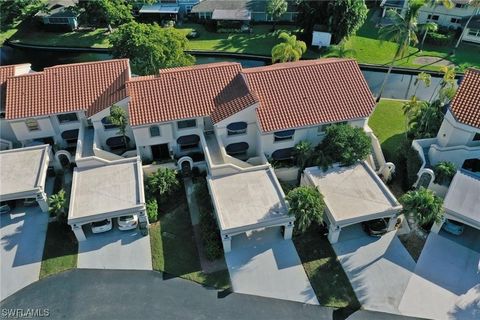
(379,269)
(115,249)
(22,236)
(446,284)
(264,264)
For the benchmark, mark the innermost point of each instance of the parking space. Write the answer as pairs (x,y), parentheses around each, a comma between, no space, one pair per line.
(115,249)
(446,283)
(22,236)
(379,269)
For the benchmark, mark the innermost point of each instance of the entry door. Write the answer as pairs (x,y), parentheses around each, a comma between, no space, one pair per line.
(160,151)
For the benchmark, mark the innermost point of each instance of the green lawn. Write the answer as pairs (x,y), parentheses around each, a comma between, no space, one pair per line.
(60,251)
(174,250)
(325,272)
(368,49)
(7,32)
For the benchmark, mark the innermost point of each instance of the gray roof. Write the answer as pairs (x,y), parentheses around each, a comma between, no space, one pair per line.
(60,9)
(234,15)
(252,5)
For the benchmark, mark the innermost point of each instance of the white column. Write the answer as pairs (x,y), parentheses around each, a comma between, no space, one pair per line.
(42,201)
(227,243)
(437,226)
(79,234)
(391,223)
(288,230)
(333,233)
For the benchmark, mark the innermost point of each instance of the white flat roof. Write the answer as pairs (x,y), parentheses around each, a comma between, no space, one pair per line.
(23,171)
(353,194)
(159,8)
(463,198)
(106,191)
(248,200)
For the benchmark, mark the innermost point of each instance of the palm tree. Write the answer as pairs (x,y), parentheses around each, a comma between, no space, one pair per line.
(423,206)
(57,203)
(424,78)
(303,152)
(276,8)
(118,117)
(340,51)
(307,205)
(411,108)
(426,121)
(431,26)
(428,27)
(290,49)
(476,5)
(448,79)
(403,31)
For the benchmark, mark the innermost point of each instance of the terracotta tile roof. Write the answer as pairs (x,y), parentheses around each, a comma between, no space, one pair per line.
(5,73)
(91,86)
(188,92)
(309,92)
(465,106)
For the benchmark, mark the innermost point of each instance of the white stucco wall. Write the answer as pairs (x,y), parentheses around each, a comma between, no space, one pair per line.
(444,15)
(453,133)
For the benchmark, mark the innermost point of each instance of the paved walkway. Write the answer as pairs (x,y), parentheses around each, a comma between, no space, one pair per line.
(264,264)
(379,269)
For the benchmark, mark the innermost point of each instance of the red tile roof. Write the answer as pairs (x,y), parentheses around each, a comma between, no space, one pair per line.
(188,92)
(309,92)
(465,106)
(91,86)
(5,73)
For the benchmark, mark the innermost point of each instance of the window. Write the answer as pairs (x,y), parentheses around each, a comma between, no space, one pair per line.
(460,6)
(474,32)
(67,117)
(283,135)
(455,20)
(154,131)
(186,124)
(433,17)
(476,137)
(57,20)
(32,124)
(188,8)
(235,128)
(107,124)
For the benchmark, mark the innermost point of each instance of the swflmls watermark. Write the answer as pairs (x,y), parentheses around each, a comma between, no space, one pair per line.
(27,313)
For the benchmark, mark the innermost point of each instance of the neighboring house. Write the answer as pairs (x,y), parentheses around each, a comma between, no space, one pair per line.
(7,136)
(250,10)
(51,106)
(168,8)
(60,13)
(472,33)
(458,139)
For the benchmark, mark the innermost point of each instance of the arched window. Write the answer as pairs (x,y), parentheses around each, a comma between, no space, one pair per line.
(154,131)
(236,128)
(107,124)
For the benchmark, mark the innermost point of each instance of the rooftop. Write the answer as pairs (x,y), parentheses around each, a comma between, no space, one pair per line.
(91,86)
(353,194)
(7,72)
(463,198)
(465,106)
(23,171)
(104,190)
(248,200)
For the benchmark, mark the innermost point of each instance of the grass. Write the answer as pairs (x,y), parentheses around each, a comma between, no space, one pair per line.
(7,32)
(174,250)
(369,49)
(60,251)
(326,275)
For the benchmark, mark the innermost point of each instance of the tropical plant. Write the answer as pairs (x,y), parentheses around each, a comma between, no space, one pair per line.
(426,120)
(475,4)
(432,26)
(302,152)
(17,10)
(340,51)
(345,18)
(110,12)
(290,49)
(345,144)
(150,47)
(307,205)
(152,210)
(402,31)
(427,27)
(410,109)
(161,183)
(448,80)
(118,117)
(276,9)
(444,172)
(57,205)
(423,206)
(424,78)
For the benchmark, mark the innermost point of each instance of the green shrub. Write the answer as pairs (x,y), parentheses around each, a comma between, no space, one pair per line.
(440,38)
(414,162)
(152,210)
(210,236)
(444,172)
(161,184)
(307,205)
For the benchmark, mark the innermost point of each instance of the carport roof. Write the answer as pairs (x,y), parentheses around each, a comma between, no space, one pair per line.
(23,172)
(463,198)
(248,200)
(106,191)
(353,194)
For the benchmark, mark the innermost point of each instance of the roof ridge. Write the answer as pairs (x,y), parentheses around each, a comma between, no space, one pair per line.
(60,66)
(199,67)
(14,65)
(35,73)
(296,64)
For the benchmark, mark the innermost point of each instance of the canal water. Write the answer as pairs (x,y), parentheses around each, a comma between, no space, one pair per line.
(399,85)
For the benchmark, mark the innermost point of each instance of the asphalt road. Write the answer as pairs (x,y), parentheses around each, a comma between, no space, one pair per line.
(118,294)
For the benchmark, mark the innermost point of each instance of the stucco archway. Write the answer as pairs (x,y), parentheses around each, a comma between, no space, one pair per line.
(185,165)
(63,158)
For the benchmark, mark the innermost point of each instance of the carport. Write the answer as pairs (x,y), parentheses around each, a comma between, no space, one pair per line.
(352,195)
(249,201)
(23,173)
(107,191)
(462,202)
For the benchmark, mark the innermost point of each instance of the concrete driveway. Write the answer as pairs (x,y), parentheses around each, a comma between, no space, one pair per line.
(379,269)
(22,237)
(264,264)
(446,284)
(115,249)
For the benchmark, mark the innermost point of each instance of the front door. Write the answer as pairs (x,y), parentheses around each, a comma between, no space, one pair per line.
(160,151)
